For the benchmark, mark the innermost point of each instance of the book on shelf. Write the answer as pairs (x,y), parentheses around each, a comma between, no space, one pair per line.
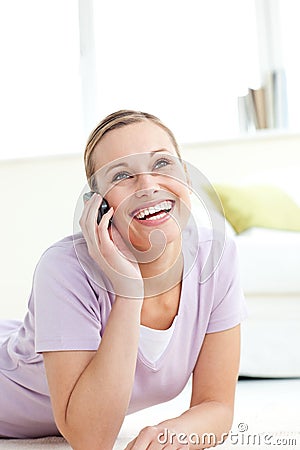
(267,106)
(258,99)
(252,111)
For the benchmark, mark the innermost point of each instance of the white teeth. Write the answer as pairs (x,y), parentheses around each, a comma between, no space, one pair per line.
(165,205)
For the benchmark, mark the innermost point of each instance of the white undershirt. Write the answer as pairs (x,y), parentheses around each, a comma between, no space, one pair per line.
(154,342)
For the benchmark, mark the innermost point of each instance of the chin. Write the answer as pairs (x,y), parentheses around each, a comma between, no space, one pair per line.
(142,241)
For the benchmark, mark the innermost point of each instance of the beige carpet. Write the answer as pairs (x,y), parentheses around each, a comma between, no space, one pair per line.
(45,443)
(49,443)
(263,408)
(287,440)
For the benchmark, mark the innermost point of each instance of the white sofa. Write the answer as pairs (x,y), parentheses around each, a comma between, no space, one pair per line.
(269,259)
(269,262)
(38,198)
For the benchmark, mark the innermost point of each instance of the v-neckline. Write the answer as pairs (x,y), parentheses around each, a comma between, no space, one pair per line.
(156,365)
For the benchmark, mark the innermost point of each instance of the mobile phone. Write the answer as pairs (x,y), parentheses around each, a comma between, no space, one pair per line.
(104,207)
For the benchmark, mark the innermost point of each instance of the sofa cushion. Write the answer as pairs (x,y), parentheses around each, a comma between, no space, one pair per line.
(269,261)
(264,206)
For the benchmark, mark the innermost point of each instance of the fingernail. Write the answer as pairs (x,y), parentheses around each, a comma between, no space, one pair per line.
(87,196)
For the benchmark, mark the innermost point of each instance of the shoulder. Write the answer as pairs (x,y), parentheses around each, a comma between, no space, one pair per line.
(209,249)
(62,252)
(69,259)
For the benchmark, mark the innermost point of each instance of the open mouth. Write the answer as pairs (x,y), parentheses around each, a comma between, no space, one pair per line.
(155,212)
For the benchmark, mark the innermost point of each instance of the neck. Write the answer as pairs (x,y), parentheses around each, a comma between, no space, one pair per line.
(165,272)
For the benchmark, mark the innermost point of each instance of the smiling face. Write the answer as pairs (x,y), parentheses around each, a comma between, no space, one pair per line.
(139,173)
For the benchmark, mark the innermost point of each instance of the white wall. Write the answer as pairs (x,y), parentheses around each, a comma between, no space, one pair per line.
(38,198)
(238,159)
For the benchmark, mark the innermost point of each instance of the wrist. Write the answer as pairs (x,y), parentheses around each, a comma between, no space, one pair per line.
(170,424)
(129,289)
(128,304)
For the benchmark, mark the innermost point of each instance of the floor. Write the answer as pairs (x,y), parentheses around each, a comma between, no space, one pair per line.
(266,410)
(267,415)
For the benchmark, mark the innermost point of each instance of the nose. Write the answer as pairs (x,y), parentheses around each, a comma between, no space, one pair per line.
(146,185)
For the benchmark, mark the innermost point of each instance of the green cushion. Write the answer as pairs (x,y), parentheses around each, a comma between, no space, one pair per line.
(259,206)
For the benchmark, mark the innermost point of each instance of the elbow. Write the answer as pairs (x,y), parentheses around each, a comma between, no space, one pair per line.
(85,430)
(85,439)
(92,446)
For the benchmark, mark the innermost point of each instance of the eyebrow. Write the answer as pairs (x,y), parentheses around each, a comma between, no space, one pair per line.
(125,164)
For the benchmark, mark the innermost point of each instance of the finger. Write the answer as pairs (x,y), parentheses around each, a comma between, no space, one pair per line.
(139,443)
(87,196)
(130,444)
(172,447)
(97,233)
(94,206)
(83,216)
(175,446)
(90,217)
(120,243)
(88,204)
(146,438)
(104,222)
(155,445)
(103,227)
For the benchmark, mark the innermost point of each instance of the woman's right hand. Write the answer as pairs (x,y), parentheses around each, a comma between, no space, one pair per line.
(107,247)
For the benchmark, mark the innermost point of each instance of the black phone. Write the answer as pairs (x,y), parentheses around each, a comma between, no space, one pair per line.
(104,207)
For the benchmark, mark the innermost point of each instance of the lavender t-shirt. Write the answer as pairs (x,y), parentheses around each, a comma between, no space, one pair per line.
(68,310)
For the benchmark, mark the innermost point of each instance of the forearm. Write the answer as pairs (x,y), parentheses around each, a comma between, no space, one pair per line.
(202,426)
(99,400)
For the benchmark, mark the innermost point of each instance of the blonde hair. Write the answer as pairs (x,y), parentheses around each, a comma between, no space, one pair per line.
(115,120)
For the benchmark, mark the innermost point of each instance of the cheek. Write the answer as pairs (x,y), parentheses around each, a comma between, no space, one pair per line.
(120,217)
(182,192)
(184,205)
(115,199)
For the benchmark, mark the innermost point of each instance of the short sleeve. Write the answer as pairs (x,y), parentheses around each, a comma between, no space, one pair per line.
(66,307)
(229,305)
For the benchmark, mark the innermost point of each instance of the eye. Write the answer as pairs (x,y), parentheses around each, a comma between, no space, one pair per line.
(162,162)
(121,176)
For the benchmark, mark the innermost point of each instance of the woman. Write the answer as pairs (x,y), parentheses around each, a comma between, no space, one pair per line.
(101,297)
